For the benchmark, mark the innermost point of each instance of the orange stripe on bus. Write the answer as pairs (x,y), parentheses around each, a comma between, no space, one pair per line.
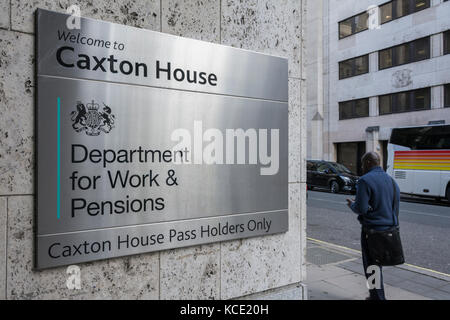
(422,151)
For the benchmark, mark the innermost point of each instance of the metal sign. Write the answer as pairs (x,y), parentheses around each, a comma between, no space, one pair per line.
(148,141)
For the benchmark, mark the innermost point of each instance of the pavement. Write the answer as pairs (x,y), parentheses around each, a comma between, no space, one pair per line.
(336,273)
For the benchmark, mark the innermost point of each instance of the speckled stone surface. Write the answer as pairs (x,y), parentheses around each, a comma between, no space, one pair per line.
(228,270)
(258,264)
(4,16)
(303,132)
(191,273)
(136,13)
(3,221)
(272,27)
(192,19)
(134,277)
(303,225)
(16,113)
(294,130)
(290,292)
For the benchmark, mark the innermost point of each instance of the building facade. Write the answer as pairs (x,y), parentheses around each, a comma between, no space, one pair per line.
(272,266)
(374,66)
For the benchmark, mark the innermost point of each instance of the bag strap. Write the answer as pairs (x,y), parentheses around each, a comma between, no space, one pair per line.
(395,212)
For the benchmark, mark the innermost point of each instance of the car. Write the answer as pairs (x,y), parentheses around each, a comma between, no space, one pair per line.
(329,175)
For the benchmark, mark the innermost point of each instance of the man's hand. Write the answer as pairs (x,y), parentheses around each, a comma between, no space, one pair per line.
(349,203)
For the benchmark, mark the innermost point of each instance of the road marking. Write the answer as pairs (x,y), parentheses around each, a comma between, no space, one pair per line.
(359,252)
(334,245)
(401,210)
(319,199)
(426,269)
(425,214)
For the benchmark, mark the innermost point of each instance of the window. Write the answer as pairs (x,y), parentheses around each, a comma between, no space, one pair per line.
(353,25)
(345,110)
(354,109)
(389,11)
(402,102)
(386,12)
(401,54)
(361,65)
(385,104)
(409,52)
(345,28)
(385,59)
(421,4)
(406,7)
(361,108)
(405,101)
(311,166)
(421,49)
(447,96)
(422,138)
(322,167)
(447,42)
(422,99)
(345,69)
(400,8)
(354,67)
(361,22)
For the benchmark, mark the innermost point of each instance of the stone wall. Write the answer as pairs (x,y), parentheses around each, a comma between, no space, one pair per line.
(314,68)
(217,271)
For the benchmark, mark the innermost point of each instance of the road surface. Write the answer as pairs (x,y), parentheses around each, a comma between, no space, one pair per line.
(424,227)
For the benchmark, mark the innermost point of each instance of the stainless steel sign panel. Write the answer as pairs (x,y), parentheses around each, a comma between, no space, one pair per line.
(134,56)
(110,162)
(145,118)
(70,248)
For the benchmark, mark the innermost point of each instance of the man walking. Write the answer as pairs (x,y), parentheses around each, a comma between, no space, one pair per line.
(376,210)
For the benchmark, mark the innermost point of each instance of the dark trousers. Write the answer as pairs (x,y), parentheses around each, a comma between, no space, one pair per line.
(375,294)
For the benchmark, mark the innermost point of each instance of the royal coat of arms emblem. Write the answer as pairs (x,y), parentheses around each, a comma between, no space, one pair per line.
(91,120)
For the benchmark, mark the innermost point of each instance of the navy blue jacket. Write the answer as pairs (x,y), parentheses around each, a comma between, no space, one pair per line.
(374,201)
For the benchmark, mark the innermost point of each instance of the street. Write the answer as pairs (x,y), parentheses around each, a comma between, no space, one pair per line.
(424,225)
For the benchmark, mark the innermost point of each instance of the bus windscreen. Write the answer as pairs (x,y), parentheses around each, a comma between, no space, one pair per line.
(422,138)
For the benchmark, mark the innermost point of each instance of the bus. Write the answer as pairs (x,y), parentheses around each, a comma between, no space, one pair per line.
(419,160)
